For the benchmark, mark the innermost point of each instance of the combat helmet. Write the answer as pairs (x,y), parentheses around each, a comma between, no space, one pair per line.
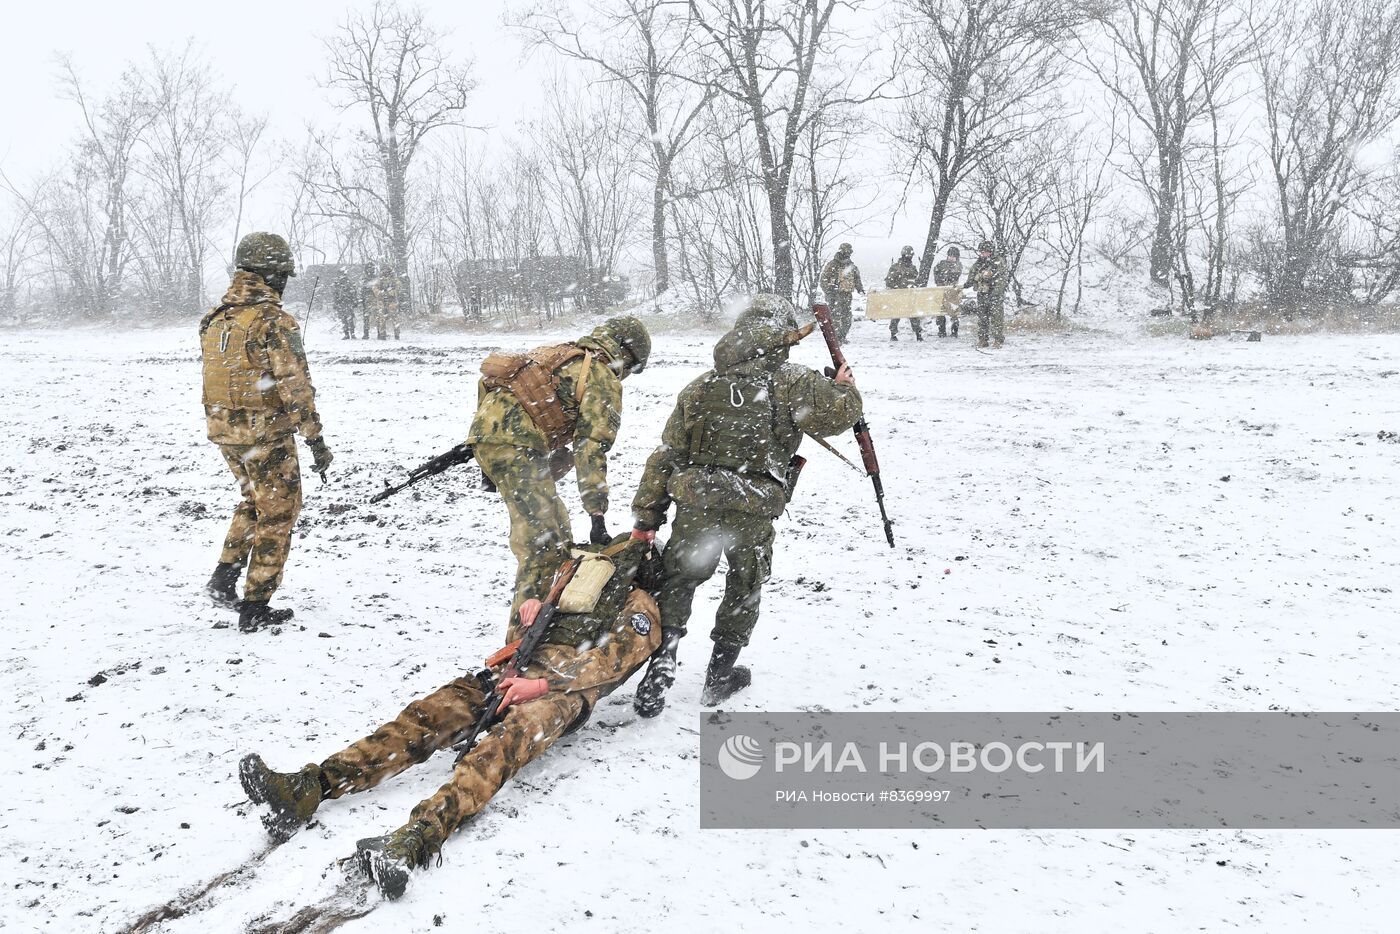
(844,249)
(986,246)
(622,333)
(907,253)
(264,252)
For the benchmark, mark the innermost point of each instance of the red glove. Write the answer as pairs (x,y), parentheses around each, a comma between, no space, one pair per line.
(642,535)
(528,611)
(519,690)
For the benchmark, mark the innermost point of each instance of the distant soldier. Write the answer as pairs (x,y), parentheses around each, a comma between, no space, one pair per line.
(367,295)
(988,277)
(257,394)
(384,292)
(947,273)
(541,413)
(904,274)
(839,280)
(345,298)
(583,658)
(725,460)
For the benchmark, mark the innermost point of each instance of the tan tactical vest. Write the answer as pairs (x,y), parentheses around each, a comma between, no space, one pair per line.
(237,372)
(533,379)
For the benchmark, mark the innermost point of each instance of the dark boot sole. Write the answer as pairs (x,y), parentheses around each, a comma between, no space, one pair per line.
(280,823)
(737,680)
(389,875)
(650,698)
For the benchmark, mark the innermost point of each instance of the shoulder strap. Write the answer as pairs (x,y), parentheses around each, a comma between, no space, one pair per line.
(583,379)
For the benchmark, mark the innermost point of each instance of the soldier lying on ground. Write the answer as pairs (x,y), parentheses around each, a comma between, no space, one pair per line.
(584,657)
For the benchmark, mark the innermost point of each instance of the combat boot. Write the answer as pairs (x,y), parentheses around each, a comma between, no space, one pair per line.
(256,614)
(661,674)
(724,679)
(286,799)
(390,860)
(223,585)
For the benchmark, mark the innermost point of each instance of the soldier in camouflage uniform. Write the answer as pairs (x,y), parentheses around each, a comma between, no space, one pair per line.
(367,296)
(725,460)
(384,298)
(904,274)
(257,395)
(583,658)
(540,414)
(947,273)
(988,277)
(839,280)
(345,299)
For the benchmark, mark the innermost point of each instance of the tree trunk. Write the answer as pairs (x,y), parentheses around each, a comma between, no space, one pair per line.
(935,227)
(782,243)
(1160,265)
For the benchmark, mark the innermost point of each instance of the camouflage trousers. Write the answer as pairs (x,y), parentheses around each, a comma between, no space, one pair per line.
(384,321)
(698,539)
(435,722)
(527,730)
(991,321)
(540,533)
(840,304)
(260,535)
(916,323)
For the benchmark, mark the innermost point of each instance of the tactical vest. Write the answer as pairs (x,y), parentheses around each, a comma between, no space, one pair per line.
(534,380)
(734,425)
(237,372)
(584,629)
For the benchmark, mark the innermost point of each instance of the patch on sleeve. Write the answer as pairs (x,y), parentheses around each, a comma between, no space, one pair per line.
(641,623)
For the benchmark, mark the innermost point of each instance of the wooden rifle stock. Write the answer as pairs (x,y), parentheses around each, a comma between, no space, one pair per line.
(861,429)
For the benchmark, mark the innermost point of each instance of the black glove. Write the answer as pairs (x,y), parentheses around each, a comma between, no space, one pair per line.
(321,456)
(599,533)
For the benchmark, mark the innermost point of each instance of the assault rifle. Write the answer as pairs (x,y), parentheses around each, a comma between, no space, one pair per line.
(460,454)
(862,430)
(520,653)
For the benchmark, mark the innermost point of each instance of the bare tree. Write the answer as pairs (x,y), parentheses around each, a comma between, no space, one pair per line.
(1154,68)
(766,56)
(19,241)
(590,164)
(983,77)
(181,157)
(84,214)
(390,63)
(646,48)
(1331,87)
(1079,190)
(249,172)
(1016,196)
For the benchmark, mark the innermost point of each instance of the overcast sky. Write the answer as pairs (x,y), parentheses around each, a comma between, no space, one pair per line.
(271,53)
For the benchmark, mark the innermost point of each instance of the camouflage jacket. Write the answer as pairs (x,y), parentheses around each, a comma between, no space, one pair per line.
(805,402)
(384,291)
(835,271)
(258,388)
(500,419)
(989,278)
(903,274)
(596,669)
(345,294)
(947,272)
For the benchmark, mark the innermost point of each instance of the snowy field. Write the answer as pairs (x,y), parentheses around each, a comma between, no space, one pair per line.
(1086,522)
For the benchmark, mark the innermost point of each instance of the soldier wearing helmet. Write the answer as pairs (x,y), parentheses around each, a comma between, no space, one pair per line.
(839,280)
(540,414)
(988,277)
(257,395)
(904,274)
(947,273)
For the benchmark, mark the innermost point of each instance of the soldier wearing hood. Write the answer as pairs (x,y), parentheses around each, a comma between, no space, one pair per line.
(725,461)
(541,413)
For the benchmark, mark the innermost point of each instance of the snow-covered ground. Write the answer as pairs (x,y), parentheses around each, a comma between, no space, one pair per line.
(1086,522)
